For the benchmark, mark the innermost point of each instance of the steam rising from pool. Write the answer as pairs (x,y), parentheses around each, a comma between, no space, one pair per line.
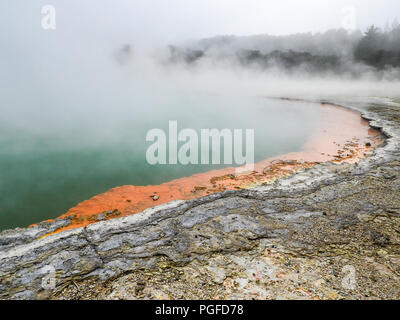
(74,118)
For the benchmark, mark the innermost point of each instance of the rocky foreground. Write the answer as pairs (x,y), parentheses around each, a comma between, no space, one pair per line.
(328,232)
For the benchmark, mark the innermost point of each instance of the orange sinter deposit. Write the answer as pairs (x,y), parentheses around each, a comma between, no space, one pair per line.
(342,136)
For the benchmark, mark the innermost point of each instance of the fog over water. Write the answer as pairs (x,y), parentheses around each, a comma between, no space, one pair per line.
(76,103)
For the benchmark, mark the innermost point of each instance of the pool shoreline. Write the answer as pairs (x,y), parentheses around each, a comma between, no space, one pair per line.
(319,221)
(343,143)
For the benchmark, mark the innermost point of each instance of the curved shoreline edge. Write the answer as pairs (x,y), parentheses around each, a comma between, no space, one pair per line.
(341,136)
(325,207)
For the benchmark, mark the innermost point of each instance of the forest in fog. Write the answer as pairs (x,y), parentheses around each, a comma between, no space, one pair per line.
(336,52)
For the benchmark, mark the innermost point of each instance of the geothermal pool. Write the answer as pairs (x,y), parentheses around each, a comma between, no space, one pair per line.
(74,122)
(54,156)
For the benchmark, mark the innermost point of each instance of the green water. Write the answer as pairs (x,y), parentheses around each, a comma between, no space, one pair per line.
(73,122)
(45,170)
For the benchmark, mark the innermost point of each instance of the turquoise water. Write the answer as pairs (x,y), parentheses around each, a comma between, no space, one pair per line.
(73,122)
(47,167)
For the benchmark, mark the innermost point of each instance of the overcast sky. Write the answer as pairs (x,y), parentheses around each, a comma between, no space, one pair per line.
(171,21)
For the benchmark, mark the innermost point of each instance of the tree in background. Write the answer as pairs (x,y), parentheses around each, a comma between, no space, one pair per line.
(380,49)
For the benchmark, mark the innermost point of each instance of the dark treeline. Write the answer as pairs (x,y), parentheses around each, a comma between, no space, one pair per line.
(335,51)
(290,60)
(379,49)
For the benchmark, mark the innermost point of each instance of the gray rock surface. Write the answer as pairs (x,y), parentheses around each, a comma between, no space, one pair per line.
(329,232)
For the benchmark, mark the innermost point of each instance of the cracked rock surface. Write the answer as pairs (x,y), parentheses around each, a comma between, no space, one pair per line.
(328,232)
